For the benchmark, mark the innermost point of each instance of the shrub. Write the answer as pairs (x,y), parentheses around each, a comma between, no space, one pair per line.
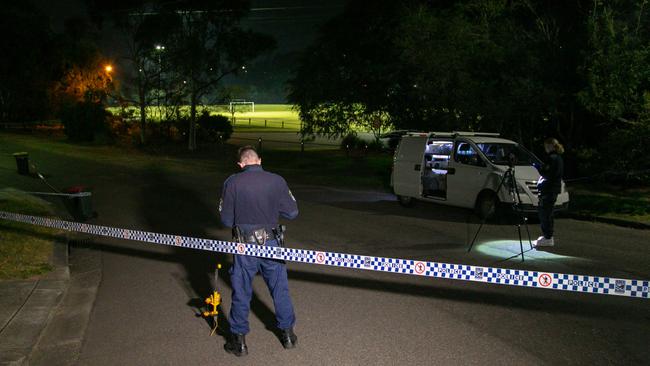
(84,121)
(211,127)
(351,142)
(182,125)
(628,152)
(375,145)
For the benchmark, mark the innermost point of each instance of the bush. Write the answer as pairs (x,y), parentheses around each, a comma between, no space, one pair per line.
(182,125)
(375,145)
(211,127)
(351,142)
(84,121)
(629,152)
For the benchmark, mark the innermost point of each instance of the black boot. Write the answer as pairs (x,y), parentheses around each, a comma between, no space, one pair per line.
(236,345)
(288,338)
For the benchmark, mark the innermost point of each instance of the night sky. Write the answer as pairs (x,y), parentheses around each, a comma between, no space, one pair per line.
(293,23)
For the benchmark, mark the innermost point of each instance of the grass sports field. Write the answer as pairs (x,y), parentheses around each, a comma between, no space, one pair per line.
(270,116)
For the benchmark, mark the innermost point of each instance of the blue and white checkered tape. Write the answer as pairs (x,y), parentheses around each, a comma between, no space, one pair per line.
(500,276)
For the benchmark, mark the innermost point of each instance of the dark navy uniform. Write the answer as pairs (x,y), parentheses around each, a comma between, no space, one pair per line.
(549,186)
(254,199)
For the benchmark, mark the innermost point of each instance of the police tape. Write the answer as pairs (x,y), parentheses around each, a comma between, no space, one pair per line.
(492,275)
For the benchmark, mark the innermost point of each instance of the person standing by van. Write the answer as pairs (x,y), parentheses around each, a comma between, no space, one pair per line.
(549,186)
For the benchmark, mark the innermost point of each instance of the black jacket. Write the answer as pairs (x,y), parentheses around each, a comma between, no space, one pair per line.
(255,199)
(551,171)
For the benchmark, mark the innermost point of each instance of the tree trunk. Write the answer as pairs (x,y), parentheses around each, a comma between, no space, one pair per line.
(192,130)
(143,115)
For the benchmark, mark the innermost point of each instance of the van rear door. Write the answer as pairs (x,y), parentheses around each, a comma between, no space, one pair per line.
(407,169)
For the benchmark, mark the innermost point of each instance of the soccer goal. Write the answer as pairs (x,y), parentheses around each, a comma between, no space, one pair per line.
(241,102)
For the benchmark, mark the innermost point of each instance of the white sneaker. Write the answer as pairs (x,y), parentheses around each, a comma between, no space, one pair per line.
(543,242)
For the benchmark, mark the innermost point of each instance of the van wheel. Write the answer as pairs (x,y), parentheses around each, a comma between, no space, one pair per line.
(486,205)
(405,201)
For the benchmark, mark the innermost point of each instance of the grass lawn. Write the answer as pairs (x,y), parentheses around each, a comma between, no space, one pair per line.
(321,167)
(25,249)
(611,202)
(312,167)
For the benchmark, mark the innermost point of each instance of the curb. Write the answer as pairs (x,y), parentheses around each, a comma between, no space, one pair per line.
(608,220)
(61,340)
(22,332)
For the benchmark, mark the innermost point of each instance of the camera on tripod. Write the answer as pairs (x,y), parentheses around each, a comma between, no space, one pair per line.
(509,181)
(512,160)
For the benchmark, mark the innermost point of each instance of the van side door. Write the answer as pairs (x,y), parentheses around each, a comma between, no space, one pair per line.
(407,167)
(467,174)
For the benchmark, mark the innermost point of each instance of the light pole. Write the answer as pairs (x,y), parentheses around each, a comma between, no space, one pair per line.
(159,50)
(107,85)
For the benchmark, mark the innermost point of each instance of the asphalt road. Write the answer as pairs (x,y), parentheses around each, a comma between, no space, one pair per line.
(146,309)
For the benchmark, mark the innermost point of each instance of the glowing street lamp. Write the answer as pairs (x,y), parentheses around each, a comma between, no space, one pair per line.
(108,68)
(159,50)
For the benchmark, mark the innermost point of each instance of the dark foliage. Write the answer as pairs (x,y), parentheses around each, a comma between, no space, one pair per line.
(351,141)
(215,128)
(84,121)
(528,69)
(27,65)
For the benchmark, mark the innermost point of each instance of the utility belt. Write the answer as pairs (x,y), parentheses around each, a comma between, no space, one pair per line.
(260,236)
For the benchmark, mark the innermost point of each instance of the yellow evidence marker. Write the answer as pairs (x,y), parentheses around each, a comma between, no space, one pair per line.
(213,302)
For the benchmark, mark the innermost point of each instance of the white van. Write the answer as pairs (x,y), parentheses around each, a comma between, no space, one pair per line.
(464,169)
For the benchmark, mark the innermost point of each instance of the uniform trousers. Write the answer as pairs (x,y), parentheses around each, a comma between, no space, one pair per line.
(274,273)
(545,210)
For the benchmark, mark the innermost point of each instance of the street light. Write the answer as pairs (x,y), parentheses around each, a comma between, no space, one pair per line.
(159,49)
(108,68)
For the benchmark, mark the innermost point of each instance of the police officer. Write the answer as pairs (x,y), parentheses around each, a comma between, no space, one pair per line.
(251,203)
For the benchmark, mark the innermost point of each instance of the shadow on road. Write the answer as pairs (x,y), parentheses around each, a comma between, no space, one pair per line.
(169,207)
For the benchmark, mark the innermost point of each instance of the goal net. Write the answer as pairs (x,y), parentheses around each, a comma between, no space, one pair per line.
(241,105)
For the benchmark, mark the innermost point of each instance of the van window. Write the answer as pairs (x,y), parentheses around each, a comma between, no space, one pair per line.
(466,154)
(504,153)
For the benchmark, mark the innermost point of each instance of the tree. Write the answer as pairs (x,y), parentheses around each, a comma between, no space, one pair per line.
(618,88)
(206,43)
(477,65)
(144,31)
(203,42)
(28,65)
(348,76)
(84,73)
(617,67)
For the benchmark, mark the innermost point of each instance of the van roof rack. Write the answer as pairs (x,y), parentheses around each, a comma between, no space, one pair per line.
(465,133)
(454,134)
(414,133)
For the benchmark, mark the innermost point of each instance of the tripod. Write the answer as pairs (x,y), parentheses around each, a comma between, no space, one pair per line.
(508,180)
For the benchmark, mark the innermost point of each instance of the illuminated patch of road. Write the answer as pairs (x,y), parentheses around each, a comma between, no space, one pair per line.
(506,249)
